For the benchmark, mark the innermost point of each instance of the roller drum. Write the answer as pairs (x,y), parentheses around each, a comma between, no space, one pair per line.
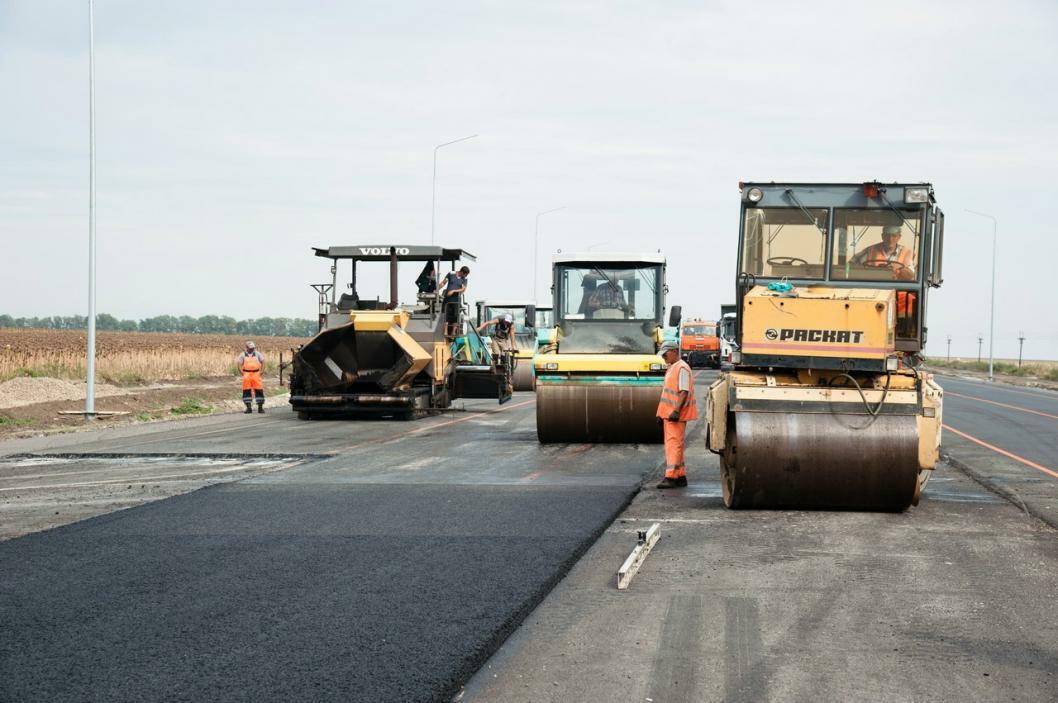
(523,378)
(819,460)
(599,413)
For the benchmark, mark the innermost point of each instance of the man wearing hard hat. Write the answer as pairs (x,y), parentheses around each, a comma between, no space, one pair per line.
(676,408)
(251,365)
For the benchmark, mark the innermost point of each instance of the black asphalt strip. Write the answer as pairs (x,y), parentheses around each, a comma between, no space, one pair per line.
(272,592)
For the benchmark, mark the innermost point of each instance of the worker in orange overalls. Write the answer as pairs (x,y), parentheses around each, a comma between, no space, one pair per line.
(676,408)
(251,364)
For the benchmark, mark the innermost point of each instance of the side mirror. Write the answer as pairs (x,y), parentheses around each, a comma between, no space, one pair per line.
(530,316)
(675,314)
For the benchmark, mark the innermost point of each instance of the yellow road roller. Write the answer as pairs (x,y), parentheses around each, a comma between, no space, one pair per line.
(598,376)
(826,405)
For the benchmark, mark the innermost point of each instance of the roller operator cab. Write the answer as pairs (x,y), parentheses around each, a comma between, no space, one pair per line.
(598,376)
(525,335)
(826,405)
(375,357)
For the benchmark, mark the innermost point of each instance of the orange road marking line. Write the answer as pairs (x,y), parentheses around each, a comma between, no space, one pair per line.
(1002,405)
(1004,452)
(391,438)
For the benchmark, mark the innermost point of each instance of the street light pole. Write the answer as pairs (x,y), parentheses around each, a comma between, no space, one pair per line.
(433,197)
(90,373)
(1021,346)
(536,246)
(980,341)
(992,316)
(949,348)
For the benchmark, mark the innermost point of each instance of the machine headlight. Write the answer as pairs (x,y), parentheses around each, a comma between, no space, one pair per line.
(892,363)
(916,195)
(656,367)
(736,357)
(551,366)
(754,195)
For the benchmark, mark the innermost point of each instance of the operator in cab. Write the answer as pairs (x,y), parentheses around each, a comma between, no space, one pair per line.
(676,408)
(888,253)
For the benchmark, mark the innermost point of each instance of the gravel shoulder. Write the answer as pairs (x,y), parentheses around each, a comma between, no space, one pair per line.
(47,397)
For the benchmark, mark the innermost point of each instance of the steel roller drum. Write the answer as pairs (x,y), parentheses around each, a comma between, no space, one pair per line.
(523,378)
(600,413)
(819,460)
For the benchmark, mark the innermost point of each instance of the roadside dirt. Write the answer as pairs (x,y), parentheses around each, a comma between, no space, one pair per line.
(138,403)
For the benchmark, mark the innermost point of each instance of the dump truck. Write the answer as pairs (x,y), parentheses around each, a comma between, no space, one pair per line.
(827,405)
(598,376)
(525,336)
(699,343)
(375,357)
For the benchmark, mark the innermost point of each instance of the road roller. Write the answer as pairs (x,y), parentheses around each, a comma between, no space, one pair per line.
(825,404)
(598,376)
(524,335)
(378,358)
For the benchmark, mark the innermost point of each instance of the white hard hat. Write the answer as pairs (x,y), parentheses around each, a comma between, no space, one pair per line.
(250,345)
(508,318)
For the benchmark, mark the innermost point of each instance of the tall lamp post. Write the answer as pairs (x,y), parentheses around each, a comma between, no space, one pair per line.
(536,246)
(433,198)
(992,314)
(90,380)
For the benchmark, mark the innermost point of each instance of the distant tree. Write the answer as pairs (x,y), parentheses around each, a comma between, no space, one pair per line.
(7,321)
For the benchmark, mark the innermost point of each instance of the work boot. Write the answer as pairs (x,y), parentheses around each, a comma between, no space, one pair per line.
(667,482)
(260,408)
(249,409)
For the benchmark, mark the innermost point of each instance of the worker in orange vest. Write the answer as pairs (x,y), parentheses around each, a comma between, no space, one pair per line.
(251,364)
(676,408)
(898,258)
(888,253)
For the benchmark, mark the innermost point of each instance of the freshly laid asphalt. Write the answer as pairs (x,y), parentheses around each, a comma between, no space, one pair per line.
(396,558)
(388,573)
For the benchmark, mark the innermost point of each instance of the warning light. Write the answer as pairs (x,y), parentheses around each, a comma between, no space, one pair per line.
(872,190)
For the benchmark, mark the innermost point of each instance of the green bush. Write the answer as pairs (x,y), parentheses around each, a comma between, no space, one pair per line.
(192,406)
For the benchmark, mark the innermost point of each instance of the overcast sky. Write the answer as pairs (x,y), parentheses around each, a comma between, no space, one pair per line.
(233,136)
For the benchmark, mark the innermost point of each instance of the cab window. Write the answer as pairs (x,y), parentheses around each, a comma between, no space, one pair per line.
(785,242)
(875,245)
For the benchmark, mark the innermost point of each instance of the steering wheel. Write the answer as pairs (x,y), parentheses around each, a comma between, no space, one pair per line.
(903,271)
(786,261)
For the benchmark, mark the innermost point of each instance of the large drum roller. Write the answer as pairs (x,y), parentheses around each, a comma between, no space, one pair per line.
(597,410)
(826,405)
(598,378)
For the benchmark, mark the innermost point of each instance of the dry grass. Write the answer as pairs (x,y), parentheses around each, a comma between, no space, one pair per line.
(1047,370)
(130,357)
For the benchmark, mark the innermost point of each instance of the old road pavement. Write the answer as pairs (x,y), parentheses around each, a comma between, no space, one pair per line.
(388,561)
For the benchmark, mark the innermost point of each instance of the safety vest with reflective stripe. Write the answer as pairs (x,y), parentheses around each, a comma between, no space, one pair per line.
(876,254)
(670,394)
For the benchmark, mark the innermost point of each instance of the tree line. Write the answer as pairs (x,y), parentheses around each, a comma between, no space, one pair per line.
(207,324)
